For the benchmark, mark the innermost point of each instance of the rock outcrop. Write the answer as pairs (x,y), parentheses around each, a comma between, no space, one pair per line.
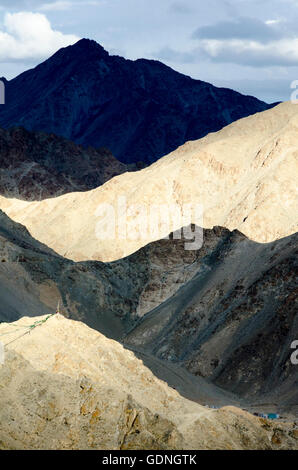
(65,386)
(140,110)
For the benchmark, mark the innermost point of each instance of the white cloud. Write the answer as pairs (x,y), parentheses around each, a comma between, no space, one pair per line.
(249,41)
(272,21)
(277,53)
(28,36)
(280,53)
(61,5)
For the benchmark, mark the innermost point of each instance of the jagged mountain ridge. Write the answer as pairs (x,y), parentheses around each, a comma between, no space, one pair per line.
(36,166)
(141,110)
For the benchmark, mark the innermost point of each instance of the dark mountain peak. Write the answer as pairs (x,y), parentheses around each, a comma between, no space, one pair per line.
(89,45)
(86,48)
(140,110)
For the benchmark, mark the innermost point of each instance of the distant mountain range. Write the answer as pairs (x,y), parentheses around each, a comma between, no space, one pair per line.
(140,110)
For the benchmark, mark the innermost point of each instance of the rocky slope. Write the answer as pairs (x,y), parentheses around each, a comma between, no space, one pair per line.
(140,110)
(35,166)
(225,312)
(75,389)
(34,278)
(244,176)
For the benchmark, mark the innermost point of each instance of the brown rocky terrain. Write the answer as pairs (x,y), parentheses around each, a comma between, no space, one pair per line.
(36,166)
(244,176)
(215,322)
(33,278)
(65,386)
(224,313)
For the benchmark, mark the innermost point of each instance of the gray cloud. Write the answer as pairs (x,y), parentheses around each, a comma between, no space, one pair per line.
(242,28)
(180,8)
(282,53)
(171,55)
(276,55)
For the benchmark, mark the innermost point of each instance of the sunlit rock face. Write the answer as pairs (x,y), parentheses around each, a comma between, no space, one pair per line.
(76,389)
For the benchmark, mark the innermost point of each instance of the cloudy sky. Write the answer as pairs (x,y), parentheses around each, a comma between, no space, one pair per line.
(248,45)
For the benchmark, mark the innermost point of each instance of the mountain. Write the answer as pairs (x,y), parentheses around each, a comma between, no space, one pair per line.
(36,166)
(107,297)
(33,279)
(226,312)
(244,176)
(76,389)
(216,323)
(140,110)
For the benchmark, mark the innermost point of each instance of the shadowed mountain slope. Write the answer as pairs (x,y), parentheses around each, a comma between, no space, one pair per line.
(35,166)
(229,314)
(33,279)
(140,110)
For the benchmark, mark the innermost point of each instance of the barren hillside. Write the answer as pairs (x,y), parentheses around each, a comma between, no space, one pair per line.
(225,312)
(244,176)
(36,166)
(65,386)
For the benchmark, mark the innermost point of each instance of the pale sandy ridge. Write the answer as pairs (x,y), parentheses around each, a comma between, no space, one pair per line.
(66,386)
(245,176)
